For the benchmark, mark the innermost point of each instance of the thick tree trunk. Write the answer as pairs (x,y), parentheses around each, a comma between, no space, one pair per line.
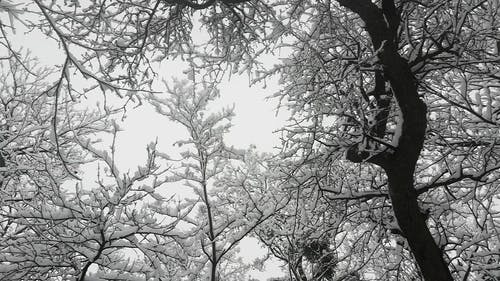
(381,24)
(400,168)
(412,223)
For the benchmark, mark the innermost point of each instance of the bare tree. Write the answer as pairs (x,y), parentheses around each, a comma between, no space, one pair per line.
(53,226)
(408,89)
(228,205)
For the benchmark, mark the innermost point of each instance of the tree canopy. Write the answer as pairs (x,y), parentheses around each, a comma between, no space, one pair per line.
(388,167)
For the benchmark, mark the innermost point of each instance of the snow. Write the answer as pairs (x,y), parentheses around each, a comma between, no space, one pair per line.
(121,43)
(399,128)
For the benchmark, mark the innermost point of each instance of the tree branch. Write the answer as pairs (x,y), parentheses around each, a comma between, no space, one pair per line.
(456,177)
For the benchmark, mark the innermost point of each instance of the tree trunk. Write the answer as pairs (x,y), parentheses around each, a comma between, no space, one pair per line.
(211,235)
(412,223)
(381,24)
(400,168)
(214,259)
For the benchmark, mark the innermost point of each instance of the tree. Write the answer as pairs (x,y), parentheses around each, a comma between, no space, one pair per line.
(300,236)
(338,224)
(117,44)
(380,82)
(52,226)
(36,155)
(405,88)
(227,203)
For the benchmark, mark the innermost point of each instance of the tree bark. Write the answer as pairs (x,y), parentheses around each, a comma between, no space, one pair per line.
(381,24)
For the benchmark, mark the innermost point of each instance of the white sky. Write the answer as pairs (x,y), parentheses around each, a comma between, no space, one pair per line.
(254,124)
